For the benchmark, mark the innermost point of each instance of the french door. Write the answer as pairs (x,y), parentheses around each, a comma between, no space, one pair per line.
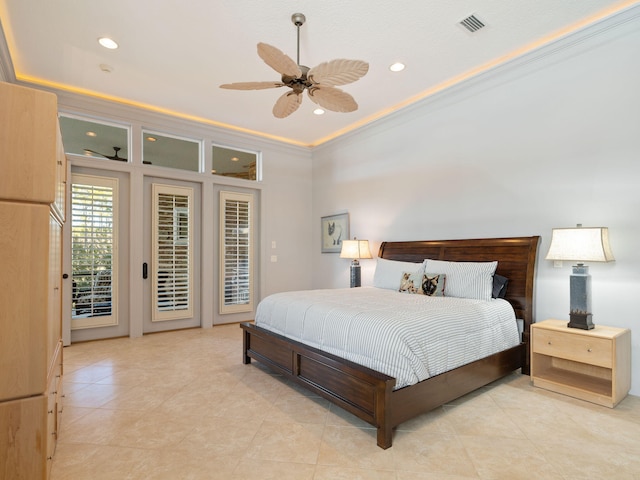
(171,268)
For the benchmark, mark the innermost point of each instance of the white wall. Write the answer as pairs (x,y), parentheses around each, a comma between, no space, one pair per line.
(547,141)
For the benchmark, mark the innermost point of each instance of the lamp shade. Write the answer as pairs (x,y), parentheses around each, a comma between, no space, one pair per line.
(581,244)
(355,249)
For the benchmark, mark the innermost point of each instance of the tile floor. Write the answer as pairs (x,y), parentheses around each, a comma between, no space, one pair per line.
(181,405)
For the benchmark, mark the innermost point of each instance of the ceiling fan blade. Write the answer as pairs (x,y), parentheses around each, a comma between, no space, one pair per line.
(279,61)
(251,85)
(97,153)
(110,157)
(332,99)
(338,72)
(287,104)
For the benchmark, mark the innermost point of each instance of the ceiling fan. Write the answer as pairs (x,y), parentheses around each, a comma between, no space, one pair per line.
(110,157)
(320,81)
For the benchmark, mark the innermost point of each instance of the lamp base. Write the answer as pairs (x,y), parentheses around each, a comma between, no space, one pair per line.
(581,320)
(355,274)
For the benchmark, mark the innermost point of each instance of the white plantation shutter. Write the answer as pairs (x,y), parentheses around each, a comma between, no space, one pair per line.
(94,251)
(236,253)
(173,252)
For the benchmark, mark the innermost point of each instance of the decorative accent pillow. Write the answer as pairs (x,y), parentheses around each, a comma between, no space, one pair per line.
(411,282)
(465,279)
(389,272)
(499,286)
(433,284)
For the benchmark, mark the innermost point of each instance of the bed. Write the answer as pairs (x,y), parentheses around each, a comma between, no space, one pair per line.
(372,395)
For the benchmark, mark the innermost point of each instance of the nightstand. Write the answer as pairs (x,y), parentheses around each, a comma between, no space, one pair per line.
(592,365)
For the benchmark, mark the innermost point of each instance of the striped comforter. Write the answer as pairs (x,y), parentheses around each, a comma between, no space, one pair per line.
(408,337)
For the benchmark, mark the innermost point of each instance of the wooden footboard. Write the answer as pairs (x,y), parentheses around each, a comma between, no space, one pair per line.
(357,389)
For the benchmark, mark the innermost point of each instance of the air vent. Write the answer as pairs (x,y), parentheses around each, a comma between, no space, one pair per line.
(472,23)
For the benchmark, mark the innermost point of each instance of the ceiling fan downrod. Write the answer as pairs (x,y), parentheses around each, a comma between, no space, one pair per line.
(298,20)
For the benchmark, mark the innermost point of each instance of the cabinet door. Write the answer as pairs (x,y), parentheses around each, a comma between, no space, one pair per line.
(54,315)
(29,120)
(24,256)
(23,442)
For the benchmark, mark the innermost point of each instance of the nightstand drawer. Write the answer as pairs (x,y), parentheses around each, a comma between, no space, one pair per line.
(578,348)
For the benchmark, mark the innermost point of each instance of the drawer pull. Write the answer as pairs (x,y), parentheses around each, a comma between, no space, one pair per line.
(549,342)
(588,349)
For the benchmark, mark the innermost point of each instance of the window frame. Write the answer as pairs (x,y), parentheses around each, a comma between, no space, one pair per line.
(188,241)
(78,323)
(249,198)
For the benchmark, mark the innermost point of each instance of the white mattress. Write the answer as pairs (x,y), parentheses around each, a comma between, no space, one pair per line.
(408,337)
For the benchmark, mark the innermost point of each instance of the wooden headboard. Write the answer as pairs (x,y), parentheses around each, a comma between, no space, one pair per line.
(516,260)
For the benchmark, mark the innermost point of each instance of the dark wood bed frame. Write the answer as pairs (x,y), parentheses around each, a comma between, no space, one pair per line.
(369,394)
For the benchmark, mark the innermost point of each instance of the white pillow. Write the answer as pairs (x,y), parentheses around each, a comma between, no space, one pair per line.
(465,279)
(389,272)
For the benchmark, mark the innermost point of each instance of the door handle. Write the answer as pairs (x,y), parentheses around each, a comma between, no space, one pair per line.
(145,270)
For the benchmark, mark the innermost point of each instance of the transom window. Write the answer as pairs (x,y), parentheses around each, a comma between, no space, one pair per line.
(102,141)
(230,162)
(163,150)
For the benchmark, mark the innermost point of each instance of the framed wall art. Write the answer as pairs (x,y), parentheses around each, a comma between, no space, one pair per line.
(335,229)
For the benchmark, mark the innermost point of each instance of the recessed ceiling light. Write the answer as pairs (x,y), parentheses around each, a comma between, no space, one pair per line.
(107,42)
(91,134)
(234,159)
(318,111)
(397,67)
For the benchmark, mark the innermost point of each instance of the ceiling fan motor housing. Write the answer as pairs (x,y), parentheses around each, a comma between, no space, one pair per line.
(298,84)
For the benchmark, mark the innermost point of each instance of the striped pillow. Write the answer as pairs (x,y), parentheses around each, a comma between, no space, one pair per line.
(465,279)
(389,272)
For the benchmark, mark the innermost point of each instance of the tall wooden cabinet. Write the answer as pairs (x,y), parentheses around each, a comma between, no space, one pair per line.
(32,212)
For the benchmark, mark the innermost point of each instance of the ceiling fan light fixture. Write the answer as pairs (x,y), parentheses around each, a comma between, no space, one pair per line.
(397,67)
(107,42)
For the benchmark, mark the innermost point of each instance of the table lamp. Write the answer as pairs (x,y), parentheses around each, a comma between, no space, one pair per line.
(580,244)
(355,249)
